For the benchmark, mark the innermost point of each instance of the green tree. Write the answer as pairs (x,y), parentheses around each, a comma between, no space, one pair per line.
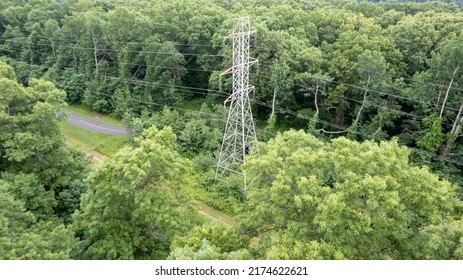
(443,241)
(134,205)
(197,134)
(34,157)
(164,71)
(361,39)
(30,138)
(415,39)
(211,242)
(346,199)
(27,188)
(375,81)
(281,84)
(432,135)
(438,89)
(29,119)
(23,235)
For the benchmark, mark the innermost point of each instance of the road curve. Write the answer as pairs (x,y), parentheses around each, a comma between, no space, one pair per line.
(97,126)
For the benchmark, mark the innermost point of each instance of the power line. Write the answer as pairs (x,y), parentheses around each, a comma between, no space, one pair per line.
(163,67)
(125,42)
(344,129)
(331,81)
(281,110)
(144,64)
(257,47)
(362,88)
(223,94)
(367,102)
(124,51)
(198,90)
(290,112)
(324,60)
(347,129)
(189,111)
(270,67)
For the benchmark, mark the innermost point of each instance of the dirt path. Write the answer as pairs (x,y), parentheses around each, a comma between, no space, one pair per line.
(203,209)
(215,215)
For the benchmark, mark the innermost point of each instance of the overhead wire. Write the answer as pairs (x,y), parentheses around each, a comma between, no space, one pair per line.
(260,64)
(281,110)
(359,101)
(324,60)
(185,90)
(353,86)
(365,88)
(124,42)
(255,47)
(263,65)
(345,129)
(197,90)
(327,80)
(125,51)
(349,130)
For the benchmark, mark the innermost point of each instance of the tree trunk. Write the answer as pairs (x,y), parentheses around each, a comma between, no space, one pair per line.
(53,48)
(440,92)
(75,56)
(363,104)
(339,119)
(448,91)
(458,124)
(95,54)
(273,105)
(39,156)
(316,100)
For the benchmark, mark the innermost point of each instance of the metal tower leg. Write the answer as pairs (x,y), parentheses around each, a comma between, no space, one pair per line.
(239,138)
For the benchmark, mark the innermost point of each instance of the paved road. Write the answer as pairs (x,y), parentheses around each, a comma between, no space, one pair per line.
(97,126)
(89,124)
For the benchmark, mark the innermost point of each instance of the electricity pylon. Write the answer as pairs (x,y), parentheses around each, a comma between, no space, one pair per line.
(239,138)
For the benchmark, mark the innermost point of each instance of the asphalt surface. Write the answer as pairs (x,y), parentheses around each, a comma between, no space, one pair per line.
(97,126)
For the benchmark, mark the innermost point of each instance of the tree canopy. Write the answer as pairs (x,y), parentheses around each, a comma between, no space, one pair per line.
(37,170)
(358,108)
(134,204)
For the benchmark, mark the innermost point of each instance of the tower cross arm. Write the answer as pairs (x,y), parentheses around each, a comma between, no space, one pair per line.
(239,137)
(240,34)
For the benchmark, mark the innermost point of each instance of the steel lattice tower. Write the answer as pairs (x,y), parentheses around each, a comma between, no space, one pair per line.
(240,135)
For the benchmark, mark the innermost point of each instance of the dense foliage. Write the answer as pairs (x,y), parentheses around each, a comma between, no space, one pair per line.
(344,200)
(382,76)
(134,204)
(367,70)
(40,176)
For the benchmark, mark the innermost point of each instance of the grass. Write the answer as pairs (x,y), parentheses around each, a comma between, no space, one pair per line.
(193,105)
(91,142)
(199,194)
(93,115)
(100,145)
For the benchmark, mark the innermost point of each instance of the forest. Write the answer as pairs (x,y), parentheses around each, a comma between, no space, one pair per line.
(359,116)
